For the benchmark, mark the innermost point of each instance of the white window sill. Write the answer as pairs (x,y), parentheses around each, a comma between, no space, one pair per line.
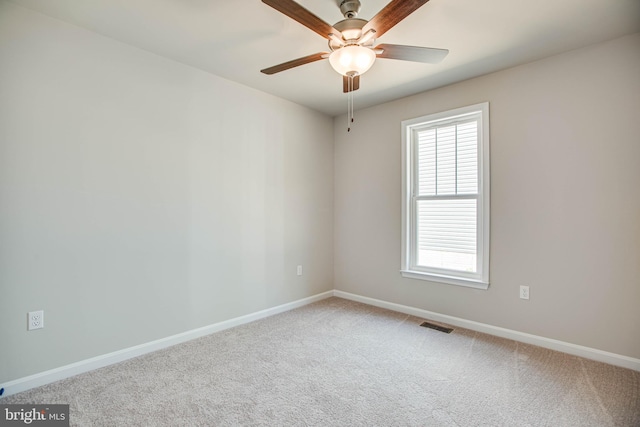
(469,283)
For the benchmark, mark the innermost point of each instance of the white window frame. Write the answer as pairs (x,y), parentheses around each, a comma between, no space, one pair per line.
(409,269)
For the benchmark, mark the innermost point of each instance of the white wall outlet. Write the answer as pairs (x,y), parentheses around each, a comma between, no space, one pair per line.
(524,292)
(35,320)
(299,270)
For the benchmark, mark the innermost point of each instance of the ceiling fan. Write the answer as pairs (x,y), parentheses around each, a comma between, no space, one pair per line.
(352,40)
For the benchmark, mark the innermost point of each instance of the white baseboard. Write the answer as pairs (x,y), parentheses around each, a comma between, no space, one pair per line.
(42,378)
(576,350)
(46,377)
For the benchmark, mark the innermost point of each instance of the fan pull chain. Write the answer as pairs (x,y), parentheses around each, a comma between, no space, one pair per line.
(350,91)
(349,99)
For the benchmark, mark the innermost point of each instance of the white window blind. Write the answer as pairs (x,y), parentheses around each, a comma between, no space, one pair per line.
(447,167)
(445,200)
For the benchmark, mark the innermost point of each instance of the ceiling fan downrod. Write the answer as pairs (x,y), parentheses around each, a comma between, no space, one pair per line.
(350,8)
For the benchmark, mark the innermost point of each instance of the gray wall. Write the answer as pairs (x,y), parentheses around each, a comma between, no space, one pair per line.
(565,199)
(140,198)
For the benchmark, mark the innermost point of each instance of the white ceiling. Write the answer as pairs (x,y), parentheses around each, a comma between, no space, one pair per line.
(235,39)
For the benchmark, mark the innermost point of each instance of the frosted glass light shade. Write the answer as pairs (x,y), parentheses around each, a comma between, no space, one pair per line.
(352,59)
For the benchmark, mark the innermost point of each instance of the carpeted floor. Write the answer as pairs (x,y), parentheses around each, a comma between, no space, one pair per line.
(341,363)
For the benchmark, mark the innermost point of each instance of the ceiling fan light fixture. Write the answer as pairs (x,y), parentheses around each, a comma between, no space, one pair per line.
(352,59)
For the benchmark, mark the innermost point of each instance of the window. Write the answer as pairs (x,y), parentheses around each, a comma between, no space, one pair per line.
(445,206)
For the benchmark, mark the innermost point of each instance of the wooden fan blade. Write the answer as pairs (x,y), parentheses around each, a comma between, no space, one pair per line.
(298,13)
(427,55)
(295,63)
(345,84)
(391,14)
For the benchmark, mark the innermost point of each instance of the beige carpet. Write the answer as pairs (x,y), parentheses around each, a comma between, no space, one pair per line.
(340,363)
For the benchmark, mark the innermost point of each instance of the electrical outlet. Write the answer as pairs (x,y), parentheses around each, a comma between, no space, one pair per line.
(524,292)
(35,320)
(299,270)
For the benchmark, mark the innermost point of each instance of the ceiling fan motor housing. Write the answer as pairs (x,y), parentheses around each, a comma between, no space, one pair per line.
(351,29)
(350,8)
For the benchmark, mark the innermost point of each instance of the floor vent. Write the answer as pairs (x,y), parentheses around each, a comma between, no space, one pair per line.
(436,327)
